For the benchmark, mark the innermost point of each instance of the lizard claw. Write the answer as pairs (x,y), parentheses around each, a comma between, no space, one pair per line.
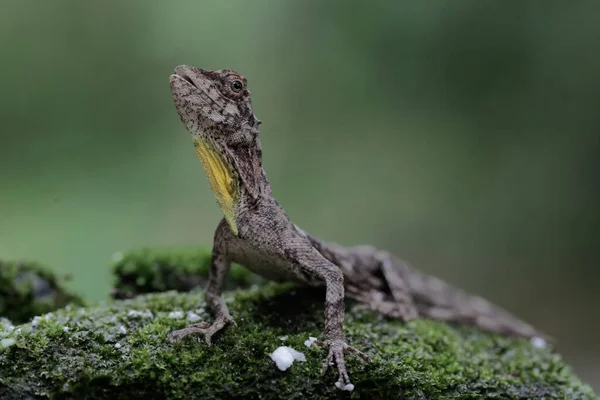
(336,356)
(202,328)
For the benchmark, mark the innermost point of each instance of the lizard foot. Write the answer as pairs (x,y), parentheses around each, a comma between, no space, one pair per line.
(202,328)
(336,356)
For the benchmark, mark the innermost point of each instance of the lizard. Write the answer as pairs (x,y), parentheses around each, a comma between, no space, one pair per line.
(216,109)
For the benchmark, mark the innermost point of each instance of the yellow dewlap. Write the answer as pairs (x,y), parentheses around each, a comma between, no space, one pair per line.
(221,180)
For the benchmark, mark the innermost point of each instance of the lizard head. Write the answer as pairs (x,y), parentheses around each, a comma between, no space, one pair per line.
(216,109)
(213,103)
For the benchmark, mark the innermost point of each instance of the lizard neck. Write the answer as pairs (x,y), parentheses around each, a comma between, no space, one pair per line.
(244,154)
(234,170)
(252,179)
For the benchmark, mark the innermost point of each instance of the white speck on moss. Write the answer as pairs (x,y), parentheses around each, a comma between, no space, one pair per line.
(285,356)
(46,317)
(4,343)
(66,329)
(193,317)
(538,342)
(117,345)
(348,387)
(140,314)
(6,325)
(122,330)
(6,329)
(308,342)
(176,314)
(283,338)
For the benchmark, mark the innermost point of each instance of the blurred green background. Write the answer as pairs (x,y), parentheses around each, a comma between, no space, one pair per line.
(462,136)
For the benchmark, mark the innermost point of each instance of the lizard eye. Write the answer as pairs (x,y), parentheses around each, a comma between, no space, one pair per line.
(237,85)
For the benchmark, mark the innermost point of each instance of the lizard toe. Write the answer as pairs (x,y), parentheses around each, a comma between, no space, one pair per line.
(363,356)
(178,335)
(337,348)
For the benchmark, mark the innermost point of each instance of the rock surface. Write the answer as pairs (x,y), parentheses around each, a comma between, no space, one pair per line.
(118,350)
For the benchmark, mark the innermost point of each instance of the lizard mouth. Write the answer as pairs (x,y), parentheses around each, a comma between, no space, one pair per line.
(180,72)
(185,78)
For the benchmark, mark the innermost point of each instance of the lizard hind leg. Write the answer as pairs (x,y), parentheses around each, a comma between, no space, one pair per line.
(373,278)
(391,309)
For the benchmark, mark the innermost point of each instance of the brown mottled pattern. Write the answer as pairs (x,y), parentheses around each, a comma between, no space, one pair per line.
(215,106)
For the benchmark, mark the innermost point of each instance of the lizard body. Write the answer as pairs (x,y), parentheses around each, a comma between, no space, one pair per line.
(216,109)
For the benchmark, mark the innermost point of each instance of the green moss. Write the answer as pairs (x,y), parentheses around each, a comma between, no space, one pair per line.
(28,289)
(118,350)
(158,270)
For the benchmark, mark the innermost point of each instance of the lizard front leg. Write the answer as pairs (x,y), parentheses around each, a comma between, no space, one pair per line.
(219,267)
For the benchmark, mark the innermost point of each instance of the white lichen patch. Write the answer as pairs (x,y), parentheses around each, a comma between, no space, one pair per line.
(176,314)
(6,327)
(140,314)
(308,342)
(122,330)
(41,318)
(4,343)
(193,317)
(285,356)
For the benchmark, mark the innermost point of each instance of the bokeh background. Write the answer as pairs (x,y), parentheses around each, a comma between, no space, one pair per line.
(462,136)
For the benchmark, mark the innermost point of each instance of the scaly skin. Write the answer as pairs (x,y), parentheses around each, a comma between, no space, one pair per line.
(216,109)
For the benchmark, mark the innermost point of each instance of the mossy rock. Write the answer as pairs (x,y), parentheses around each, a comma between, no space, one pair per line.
(151,270)
(119,350)
(28,289)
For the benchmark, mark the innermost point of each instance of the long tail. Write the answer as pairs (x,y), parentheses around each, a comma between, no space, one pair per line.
(439,300)
(368,269)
